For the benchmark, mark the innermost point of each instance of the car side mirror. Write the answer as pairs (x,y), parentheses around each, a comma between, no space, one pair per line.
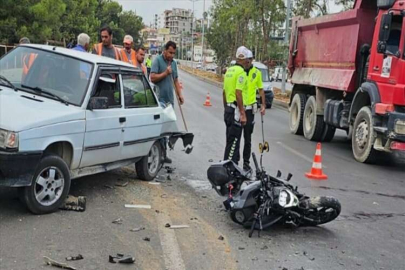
(98,103)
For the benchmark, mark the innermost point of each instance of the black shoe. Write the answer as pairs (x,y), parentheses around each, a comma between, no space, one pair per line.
(167,160)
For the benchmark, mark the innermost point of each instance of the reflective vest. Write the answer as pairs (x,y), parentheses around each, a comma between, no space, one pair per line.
(235,78)
(28,60)
(254,83)
(99,49)
(125,58)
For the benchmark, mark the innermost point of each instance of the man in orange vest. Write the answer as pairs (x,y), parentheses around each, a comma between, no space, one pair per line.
(28,59)
(106,48)
(128,54)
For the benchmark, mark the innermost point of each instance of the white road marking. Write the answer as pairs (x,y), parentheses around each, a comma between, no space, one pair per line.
(295,152)
(170,246)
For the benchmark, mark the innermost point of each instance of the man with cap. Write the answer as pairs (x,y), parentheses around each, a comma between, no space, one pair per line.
(254,84)
(128,55)
(235,84)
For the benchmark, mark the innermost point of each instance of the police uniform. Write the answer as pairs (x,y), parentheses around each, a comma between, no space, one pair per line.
(235,78)
(254,83)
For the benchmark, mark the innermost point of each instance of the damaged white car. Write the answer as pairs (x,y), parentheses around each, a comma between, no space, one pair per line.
(65,114)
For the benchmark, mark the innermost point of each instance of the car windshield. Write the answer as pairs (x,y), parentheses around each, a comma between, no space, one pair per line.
(61,76)
(265,75)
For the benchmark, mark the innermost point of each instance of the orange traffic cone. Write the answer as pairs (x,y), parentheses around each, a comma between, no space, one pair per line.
(208,100)
(316,171)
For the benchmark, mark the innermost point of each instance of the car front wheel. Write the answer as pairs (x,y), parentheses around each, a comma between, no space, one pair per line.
(148,167)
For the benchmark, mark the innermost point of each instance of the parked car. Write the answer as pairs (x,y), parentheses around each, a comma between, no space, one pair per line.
(66,114)
(277,74)
(267,86)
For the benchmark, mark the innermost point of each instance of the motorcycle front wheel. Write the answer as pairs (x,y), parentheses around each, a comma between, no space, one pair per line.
(321,210)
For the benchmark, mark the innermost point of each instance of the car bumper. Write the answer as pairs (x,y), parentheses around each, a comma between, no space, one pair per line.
(17,169)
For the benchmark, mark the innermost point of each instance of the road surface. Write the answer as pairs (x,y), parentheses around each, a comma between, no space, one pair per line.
(368,235)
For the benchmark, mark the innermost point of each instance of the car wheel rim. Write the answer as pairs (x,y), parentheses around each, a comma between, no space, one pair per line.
(49,186)
(153,160)
(362,134)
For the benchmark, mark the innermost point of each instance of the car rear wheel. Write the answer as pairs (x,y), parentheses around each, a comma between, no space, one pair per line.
(50,186)
(148,167)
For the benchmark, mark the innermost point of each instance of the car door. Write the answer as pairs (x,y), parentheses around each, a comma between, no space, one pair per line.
(105,127)
(143,115)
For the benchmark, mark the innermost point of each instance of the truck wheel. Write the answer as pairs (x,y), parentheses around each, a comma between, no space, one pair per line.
(50,186)
(363,137)
(313,124)
(297,113)
(328,133)
(148,167)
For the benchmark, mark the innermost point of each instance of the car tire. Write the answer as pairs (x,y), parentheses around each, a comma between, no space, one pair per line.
(148,167)
(312,124)
(297,113)
(50,186)
(363,137)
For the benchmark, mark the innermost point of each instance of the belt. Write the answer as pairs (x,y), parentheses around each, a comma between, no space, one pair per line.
(231,105)
(250,107)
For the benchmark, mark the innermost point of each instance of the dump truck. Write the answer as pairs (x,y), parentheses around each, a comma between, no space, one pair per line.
(348,72)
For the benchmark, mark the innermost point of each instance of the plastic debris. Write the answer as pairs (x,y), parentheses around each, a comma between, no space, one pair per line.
(138,206)
(153,183)
(118,221)
(75,258)
(176,226)
(147,239)
(137,229)
(221,238)
(121,258)
(74,203)
(169,169)
(51,262)
(211,160)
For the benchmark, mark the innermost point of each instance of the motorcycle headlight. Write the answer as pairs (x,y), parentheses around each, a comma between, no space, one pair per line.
(8,139)
(287,199)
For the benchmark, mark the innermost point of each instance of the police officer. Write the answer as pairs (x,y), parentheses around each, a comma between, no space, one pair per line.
(235,84)
(254,84)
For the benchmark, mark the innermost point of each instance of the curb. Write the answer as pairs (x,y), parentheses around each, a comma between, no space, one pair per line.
(276,102)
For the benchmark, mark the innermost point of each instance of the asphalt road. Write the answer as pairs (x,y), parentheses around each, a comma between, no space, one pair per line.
(368,235)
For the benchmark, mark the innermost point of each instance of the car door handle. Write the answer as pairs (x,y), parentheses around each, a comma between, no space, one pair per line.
(123,119)
(156,116)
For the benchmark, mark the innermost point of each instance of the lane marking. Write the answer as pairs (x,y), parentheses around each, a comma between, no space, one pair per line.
(170,246)
(295,152)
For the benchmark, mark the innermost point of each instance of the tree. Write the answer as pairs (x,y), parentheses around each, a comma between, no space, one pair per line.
(131,24)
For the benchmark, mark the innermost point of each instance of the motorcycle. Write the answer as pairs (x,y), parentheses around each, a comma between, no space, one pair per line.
(262,202)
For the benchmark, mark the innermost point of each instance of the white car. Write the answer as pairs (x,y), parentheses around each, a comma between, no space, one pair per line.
(65,114)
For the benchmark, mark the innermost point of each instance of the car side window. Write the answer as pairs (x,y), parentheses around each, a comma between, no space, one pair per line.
(137,92)
(108,86)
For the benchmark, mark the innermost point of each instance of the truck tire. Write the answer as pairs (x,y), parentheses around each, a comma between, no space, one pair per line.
(313,124)
(363,137)
(149,166)
(328,133)
(297,113)
(50,186)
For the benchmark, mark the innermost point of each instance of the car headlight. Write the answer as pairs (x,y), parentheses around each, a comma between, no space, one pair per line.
(8,139)
(399,127)
(287,199)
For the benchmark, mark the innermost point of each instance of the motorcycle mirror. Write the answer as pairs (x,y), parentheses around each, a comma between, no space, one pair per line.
(261,148)
(289,177)
(266,147)
(278,174)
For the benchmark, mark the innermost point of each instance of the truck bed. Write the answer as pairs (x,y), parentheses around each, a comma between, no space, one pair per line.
(324,51)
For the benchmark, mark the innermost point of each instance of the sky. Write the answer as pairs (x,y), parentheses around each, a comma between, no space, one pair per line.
(148,8)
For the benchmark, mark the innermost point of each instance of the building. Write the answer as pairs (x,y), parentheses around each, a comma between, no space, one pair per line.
(178,20)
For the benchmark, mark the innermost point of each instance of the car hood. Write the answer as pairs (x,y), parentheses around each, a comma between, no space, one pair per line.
(21,111)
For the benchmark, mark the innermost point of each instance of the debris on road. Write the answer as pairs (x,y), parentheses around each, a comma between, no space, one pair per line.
(118,221)
(153,183)
(163,196)
(124,184)
(169,169)
(74,203)
(51,262)
(167,225)
(138,206)
(221,238)
(147,239)
(137,229)
(75,258)
(169,178)
(211,160)
(241,248)
(108,186)
(121,258)
(179,226)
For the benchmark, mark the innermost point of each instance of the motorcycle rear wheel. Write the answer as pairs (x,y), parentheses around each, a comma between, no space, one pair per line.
(321,210)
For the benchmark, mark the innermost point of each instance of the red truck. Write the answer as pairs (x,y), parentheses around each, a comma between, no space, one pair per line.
(348,71)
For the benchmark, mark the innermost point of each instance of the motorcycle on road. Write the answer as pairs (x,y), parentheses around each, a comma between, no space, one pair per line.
(260,203)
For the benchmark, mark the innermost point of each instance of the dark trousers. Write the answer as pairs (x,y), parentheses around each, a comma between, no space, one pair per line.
(247,135)
(148,71)
(233,135)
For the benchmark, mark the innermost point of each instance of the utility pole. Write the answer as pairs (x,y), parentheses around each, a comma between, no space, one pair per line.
(192,34)
(286,41)
(203,30)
